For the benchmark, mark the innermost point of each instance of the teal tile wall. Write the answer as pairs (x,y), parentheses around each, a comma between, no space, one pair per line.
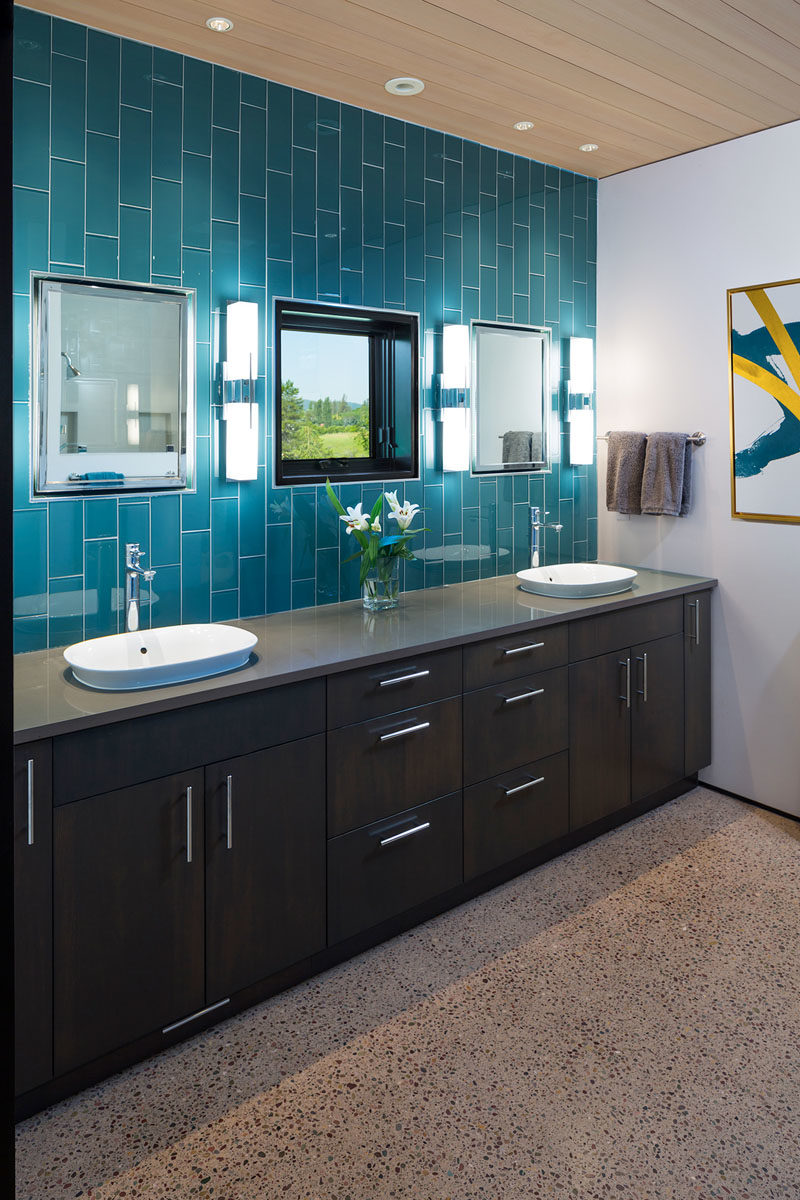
(135,163)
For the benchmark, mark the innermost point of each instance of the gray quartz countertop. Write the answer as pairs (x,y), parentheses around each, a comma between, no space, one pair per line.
(316,641)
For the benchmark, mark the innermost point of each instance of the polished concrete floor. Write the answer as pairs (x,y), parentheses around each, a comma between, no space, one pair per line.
(621,1022)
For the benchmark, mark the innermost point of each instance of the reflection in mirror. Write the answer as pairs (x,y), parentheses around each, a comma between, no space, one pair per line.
(510,394)
(115,398)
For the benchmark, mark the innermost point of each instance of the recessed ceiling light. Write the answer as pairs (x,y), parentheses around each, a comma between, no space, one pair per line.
(588,147)
(522,126)
(219,24)
(404,85)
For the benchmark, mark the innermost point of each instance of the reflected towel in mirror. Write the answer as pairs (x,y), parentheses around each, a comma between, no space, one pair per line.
(517,446)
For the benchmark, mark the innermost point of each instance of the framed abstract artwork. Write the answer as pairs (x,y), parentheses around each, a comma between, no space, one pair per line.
(764,354)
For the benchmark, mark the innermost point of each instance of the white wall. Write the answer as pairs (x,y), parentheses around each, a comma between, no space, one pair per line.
(672,238)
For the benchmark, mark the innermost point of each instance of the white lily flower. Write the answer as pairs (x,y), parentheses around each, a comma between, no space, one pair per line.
(376,525)
(404,514)
(355,519)
(394,504)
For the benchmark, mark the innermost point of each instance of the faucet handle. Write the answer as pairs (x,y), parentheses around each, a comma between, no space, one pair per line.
(132,554)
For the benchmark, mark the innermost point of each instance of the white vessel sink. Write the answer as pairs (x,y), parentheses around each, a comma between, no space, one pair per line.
(157,656)
(576,579)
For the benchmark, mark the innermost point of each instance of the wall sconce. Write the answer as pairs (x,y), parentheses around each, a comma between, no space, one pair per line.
(580,414)
(454,386)
(240,416)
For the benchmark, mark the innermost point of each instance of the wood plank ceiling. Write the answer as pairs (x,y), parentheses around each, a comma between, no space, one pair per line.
(644,80)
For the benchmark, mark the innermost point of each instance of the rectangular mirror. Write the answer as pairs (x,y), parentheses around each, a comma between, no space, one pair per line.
(114,388)
(510,397)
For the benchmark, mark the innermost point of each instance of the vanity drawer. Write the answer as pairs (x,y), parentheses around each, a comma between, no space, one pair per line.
(514,723)
(612,631)
(392,686)
(109,757)
(510,815)
(515,654)
(393,865)
(382,766)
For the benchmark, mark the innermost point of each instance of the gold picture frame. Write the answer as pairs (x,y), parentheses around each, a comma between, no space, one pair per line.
(764,387)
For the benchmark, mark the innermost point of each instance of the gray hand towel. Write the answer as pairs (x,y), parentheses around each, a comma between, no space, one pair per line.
(624,474)
(666,481)
(517,446)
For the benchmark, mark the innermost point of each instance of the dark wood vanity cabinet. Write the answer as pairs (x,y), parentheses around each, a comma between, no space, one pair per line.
(697,680)
(33,916)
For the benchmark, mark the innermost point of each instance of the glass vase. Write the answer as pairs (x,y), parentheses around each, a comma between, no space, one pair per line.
(381,588)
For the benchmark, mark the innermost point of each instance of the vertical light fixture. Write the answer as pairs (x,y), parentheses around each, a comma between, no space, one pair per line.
(580,413)
(455,384)
(241,415)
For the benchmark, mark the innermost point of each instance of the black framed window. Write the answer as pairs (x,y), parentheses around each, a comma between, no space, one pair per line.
(346,393)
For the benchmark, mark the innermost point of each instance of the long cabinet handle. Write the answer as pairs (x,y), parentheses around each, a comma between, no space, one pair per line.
(229,789)
(398,733)
(523,787)
(642,691)
(523,649)
(626,663)
(189,823)
(398,837)
(522,696)
(403,678)
(695,637)
(30,801)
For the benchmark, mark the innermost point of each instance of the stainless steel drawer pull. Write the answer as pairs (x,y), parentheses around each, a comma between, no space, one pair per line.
(642,691)
(397,733)
(403,678)
(522,696)
(695,637)
(189,824)
(398,837)
(626,663)
(30,801)
(523,787)
(229,787)
(200,1013)
(523,649)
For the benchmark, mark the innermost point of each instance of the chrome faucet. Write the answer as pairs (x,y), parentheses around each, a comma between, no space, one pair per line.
(536,524)
(133,573)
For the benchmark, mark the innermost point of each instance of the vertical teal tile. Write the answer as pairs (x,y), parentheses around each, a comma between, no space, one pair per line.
(279,215)
(197,107)
(102,82)
(196,193)
(252,516)
(31,134)
(226,98)
(100,517)
(253,164)
(167,130)
(304,120)
(167,66)
(165,530)
(31,45)
(394,264)
(30,555)
(224,263)
(65,610)
(522,189)
(505,501)
(166,227)
(254,91)
(102,184)
(351,135)
(415,163)
(203,388)
(224,175)
(136,74)
(253,243)
(434,292)
(304,266)
(505,210)
(102,607)
(134,529)
(304,532)
(505,283)
(279,127)
(471,178)
(224,544)
(224,606)
(134,244)
(551,221)
(68,108)
(303,593)
(373,138)
(434,154)
(134,157)
(197,274)
(452,272)
(537,300)
(328,256)
(327,155)
(165,606)
(196,577)
(521,259)
(279,568)
(580,249)
(488,230)
(67,211)
(304,189)
(66,537)
(195,506)
(30,633)
(352,283)
(394,131)
(565,265)
(393,181)
(471,250)
(327,576)
(373,206)
(537,183)
(551,280)
(373,277)
(434,217)
(452,197)
(351,227)
(21,435)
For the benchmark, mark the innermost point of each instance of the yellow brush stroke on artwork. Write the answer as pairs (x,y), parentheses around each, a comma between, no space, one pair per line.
(777,330)
(769,382)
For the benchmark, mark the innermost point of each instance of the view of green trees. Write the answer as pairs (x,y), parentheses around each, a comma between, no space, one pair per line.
(323,428)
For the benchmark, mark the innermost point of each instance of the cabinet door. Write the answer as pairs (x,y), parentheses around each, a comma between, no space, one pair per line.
(265,843)
(33,916)
(599,738)
(128,915)
(697,680)
(656,715)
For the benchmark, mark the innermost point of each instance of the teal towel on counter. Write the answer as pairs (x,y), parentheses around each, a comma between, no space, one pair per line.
(667,475)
